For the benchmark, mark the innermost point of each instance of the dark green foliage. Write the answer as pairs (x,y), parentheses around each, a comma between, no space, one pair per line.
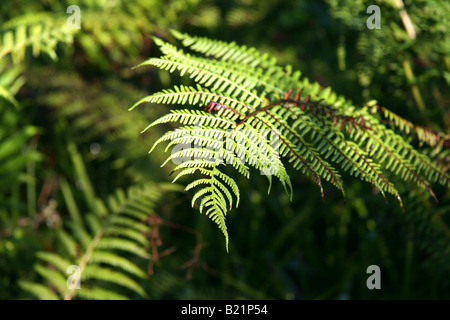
(104,245)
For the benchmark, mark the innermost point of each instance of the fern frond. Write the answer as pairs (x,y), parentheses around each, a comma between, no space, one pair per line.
(197,117)
(96,272)
(54,278)
(424,134)
(42,32)
(38,290)
(216,197)
(246,95)
(108,258)
(11,80)
(218,82)
(225,51)
(99,256)
(196,96)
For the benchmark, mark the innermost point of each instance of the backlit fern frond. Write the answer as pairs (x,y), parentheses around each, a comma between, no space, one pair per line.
(246,96)
(105,247)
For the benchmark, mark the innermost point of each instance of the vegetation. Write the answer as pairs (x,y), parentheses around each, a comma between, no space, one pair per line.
(367,116)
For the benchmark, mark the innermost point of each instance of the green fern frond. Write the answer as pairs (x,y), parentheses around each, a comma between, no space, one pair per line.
(11,80)
(100,253)
(39,290)
(198,117)
(246,95)
(225,51)
(216,196)
(42,32)
(424,134)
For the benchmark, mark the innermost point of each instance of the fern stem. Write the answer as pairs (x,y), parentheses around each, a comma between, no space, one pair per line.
(84,260)
(414,88)
(407,23)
